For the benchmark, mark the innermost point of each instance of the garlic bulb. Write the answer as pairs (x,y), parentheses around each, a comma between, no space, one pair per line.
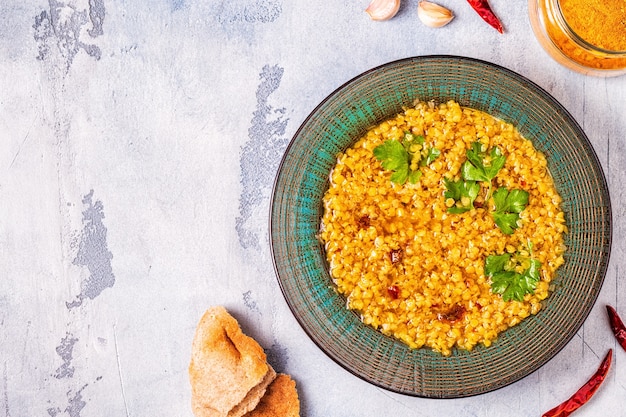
(383,9)
(433,15)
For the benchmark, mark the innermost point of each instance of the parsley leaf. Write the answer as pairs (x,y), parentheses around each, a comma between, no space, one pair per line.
(401,174)
(431,155)
(414,176)
(392,155)
(508,206)
(411,139)
(463,193)
(405,157)
(505,280)
(481,166)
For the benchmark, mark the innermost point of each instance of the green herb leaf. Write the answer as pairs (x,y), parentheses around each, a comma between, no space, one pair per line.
(401,174)
(501,269)
(496,263)
(410,139)
(481,166)
(508,205)
(392,155)
(398,156)
(414,176)
(463,193)
(431,155)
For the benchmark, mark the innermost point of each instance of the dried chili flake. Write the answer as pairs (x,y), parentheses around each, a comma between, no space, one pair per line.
(395,255)
(454,314)
(363,221)
(393,291)
(617,325)
(585,392)
(483,9)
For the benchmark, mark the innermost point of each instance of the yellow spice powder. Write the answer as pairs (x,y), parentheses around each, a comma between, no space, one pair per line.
(602,23)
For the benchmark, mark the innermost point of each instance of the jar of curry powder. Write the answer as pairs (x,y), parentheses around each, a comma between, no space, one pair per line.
(588,36)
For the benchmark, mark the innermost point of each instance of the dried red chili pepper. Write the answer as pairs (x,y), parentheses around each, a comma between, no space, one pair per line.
(585,392)
(619,330)
(483,9)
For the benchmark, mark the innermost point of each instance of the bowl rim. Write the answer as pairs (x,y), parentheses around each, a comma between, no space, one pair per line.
(602,272)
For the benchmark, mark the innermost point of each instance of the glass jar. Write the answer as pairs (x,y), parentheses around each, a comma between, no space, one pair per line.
(554,28)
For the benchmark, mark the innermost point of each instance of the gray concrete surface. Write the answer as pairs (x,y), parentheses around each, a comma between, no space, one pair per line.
(138,146)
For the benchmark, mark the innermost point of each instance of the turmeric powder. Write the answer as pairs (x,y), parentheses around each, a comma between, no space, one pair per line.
(587,35)
(602,23)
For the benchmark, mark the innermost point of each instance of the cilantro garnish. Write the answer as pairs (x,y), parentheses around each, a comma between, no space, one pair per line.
(431,155)
(463,193)
(513,276)
(405,157)
(482,166)
(394,157)
(509,204)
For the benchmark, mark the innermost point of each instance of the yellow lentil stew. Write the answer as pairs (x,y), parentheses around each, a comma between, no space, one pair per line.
(413,269)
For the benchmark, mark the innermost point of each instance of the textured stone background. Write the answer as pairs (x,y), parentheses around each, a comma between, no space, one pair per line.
(138,146)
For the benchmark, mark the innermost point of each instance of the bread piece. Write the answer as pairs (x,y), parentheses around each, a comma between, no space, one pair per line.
(280,399)
(254,396)
(228,371)
(249,402)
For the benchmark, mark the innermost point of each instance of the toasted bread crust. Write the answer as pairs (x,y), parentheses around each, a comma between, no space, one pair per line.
(228,370)
(280,400)
(254,396)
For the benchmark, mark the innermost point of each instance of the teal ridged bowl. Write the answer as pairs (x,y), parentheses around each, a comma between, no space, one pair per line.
(300,261)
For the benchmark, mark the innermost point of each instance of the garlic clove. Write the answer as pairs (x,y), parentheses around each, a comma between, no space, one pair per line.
(433,15)
(383,9)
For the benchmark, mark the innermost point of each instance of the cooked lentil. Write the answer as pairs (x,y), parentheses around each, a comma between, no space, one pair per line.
(415,271)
